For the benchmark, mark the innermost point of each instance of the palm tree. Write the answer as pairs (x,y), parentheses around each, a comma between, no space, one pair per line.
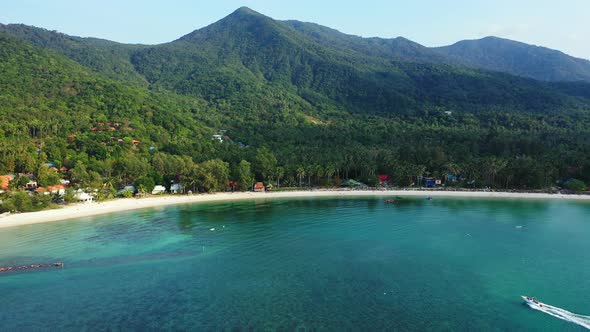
(329,171)
(300,174)
(279,173)
(493,167)
(319,172)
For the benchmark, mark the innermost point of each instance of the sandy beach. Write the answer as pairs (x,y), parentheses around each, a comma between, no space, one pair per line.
(97,208)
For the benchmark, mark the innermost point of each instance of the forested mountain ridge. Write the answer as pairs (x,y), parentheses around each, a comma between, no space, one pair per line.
(296,102)
(103,56)
(517,58)
(249,50)
(490,53)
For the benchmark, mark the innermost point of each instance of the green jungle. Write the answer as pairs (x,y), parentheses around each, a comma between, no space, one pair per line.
(288,103)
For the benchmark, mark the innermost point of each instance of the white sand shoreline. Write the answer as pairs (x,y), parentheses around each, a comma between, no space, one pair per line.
(119,205)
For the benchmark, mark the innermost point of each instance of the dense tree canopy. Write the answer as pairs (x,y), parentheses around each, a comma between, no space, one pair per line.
(286,110)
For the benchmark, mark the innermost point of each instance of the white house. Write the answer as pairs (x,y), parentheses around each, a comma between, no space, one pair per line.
(218,137)
(83,197)
(158,190)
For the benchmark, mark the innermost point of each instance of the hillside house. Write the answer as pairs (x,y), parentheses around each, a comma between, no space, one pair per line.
(31,185)
(58,189)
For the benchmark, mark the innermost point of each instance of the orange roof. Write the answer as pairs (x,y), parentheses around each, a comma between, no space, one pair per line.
(259,185)
(54,169)
(63,169)
(5,181)
(56,187)
(135,141)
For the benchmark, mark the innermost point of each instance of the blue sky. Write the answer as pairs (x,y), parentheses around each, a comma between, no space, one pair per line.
(563,25)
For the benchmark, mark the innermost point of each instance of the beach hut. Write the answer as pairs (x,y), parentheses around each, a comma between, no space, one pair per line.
(176,188)
(259,187)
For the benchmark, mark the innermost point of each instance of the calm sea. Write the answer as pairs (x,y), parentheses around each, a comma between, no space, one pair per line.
(355,264)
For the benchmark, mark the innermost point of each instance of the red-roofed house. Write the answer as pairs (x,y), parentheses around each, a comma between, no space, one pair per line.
(58,189)
(259,187)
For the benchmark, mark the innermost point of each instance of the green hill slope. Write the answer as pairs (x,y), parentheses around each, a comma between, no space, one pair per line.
(517,58)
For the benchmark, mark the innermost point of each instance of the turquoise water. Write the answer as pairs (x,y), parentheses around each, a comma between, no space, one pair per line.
(307,265)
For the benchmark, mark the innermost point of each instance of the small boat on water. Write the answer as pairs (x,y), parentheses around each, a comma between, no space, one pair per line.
(531,301)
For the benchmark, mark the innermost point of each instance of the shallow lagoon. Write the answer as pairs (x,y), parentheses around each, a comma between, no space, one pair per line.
(307,264)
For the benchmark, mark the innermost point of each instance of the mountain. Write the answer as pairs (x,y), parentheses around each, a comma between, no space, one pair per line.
(397,48)
(517,58)
(289,96)
(254,54)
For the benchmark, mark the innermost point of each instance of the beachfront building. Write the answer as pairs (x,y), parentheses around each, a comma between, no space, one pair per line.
(158,190)
(83,197)
(176,188)
(259,187)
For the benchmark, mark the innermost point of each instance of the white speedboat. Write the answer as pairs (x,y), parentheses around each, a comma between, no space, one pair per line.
(531,301)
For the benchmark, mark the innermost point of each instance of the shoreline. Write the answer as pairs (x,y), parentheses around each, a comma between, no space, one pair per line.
(82,210)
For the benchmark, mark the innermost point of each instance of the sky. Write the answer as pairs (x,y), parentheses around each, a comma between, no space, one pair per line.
(562,25)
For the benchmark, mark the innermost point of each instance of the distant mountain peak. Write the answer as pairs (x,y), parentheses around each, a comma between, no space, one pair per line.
(238,21)
(246,10)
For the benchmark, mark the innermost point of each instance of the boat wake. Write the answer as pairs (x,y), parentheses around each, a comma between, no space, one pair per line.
(561,314)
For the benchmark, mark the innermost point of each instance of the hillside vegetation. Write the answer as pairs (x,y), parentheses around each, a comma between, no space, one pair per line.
(298,104)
